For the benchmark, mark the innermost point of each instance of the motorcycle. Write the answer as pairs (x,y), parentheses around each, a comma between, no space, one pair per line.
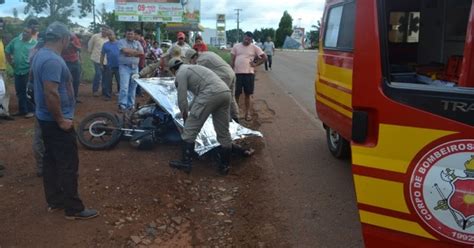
(144,127)
(157,122)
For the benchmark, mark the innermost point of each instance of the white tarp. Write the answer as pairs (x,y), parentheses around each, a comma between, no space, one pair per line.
(163,91)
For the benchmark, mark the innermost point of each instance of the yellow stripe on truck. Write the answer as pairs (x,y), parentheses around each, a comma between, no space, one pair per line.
(396,147)
(392,223)
(380,193)
(335,107)
(336,95)
(337,75)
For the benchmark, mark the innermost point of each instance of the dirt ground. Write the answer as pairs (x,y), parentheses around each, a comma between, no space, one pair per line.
(142,202)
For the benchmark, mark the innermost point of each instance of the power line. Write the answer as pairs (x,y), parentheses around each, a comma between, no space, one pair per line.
(238,22)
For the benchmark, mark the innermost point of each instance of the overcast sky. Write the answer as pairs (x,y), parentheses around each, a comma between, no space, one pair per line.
(254,15)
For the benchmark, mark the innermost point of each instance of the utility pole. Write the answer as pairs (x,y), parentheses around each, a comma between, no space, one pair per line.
(238,22)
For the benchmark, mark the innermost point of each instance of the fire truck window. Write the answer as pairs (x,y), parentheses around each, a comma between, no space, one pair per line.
(426,40)
(428,56)
(340,27)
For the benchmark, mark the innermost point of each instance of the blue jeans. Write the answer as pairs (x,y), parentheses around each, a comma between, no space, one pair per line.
(128,86)
(75,69)
(109,73)
(97,77)
(21,81)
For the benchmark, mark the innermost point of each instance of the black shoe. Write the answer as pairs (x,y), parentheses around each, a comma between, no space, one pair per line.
(185,166)
(83,215)
(55,208)
(224,160)
(187,155)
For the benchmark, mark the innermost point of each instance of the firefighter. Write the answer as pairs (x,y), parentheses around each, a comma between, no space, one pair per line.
(216,64)
(211,96)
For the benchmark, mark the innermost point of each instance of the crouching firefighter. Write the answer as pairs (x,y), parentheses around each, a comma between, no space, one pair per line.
(211,96)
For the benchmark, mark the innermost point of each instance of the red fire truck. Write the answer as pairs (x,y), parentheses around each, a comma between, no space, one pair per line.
(395,91)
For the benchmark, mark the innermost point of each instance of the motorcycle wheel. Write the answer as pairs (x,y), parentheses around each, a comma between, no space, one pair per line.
(99,131)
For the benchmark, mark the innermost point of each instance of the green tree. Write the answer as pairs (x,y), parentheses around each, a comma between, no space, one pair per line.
(233,34)
(284,29)
(267,32)
(15,13)
(57,10)
(314,34)
(257,35)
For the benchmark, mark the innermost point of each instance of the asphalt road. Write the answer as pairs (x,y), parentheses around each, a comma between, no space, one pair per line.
(295,73)
(314,191)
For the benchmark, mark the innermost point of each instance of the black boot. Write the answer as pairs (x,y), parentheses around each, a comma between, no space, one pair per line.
(224,160)
(185,163)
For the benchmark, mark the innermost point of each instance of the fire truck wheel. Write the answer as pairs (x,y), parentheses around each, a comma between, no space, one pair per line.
(338,146)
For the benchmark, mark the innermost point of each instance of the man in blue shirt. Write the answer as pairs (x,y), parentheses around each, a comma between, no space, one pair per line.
(112,52)
(130,51)
(55,103)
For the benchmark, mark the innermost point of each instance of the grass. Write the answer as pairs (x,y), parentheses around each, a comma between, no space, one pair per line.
(225,54)
(87,66)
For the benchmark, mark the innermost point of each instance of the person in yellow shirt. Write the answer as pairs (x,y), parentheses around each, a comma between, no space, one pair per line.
(5,100)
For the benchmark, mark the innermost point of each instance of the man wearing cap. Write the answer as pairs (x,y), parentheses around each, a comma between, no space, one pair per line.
(216,64)
(71,56)
(211,96)
(130,52)
(18,51)
(94,47)
(181,44)
(55,105)
(243,61)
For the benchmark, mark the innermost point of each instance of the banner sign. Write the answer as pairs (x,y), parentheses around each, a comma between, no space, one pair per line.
(221,18)
(179,11)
